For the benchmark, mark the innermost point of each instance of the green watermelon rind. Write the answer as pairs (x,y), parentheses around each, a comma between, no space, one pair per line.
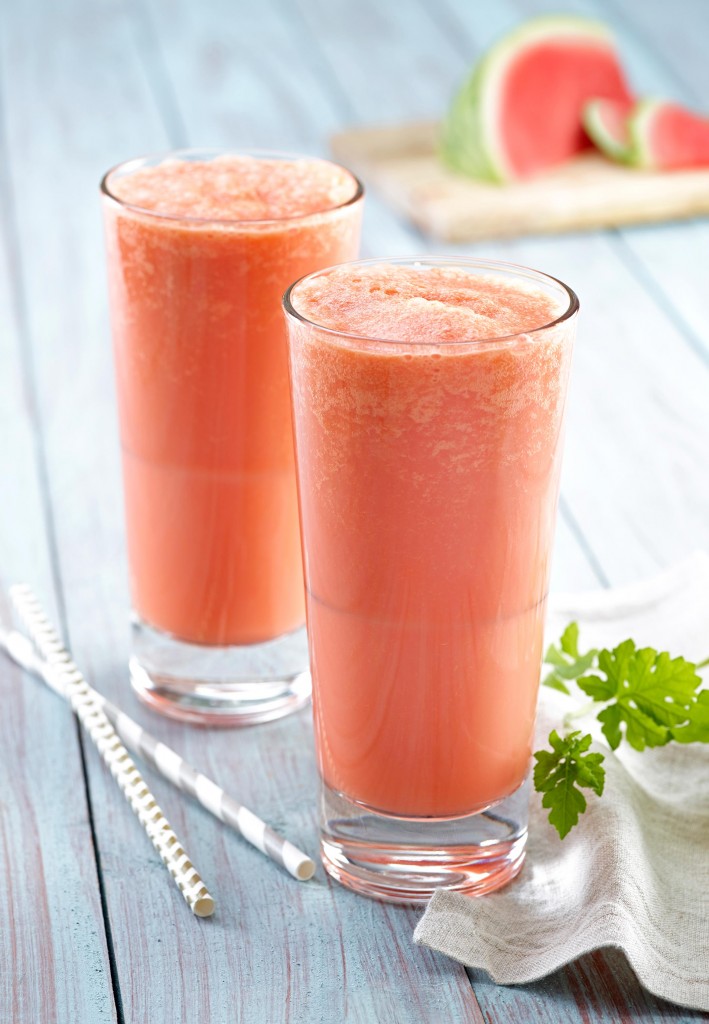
(640,151)
(639,122)
(622,153)
(637,152)
(469,143)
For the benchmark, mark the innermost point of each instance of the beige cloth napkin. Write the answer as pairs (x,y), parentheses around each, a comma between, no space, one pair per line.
(634,873)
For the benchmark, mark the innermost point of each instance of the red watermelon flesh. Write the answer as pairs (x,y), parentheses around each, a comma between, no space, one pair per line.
(667,137)
(543,97)
(520,110)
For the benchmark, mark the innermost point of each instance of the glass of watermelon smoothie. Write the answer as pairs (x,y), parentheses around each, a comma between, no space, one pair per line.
(428,399)
(201,246)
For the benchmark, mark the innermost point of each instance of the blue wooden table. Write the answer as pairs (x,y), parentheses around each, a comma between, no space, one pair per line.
(90,928)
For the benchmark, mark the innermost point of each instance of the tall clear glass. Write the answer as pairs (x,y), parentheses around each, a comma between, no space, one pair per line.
(428,478)
(208,467)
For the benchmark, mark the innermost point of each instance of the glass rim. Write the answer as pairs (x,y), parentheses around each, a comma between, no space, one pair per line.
(442,261)
(210,153)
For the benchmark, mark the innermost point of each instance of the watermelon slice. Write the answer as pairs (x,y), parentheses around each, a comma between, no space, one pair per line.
(606,122)
(520,111)
(666,137)
(652,134)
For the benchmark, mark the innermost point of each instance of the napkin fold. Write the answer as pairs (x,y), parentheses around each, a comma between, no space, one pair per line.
(634,873)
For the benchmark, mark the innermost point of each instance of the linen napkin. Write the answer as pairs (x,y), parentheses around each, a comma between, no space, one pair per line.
(634,873)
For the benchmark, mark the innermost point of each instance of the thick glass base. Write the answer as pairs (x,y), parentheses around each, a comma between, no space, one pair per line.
(219,685)
(402,860)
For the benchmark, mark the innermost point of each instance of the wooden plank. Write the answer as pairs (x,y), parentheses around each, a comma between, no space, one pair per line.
(232,93)
(575,565)
(665,51)
(53,957)
(242,81)
(275,950)
(402,162)
(677,34)
(599,988)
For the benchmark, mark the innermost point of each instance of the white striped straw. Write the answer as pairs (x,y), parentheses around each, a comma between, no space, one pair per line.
(173,767)
(82,698)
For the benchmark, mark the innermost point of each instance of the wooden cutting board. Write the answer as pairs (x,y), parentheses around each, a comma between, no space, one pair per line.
(400,161)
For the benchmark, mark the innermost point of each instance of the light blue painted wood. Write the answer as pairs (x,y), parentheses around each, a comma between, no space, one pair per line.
(233,71)
(53,956)
(675,35)
(666,56)
(599,989)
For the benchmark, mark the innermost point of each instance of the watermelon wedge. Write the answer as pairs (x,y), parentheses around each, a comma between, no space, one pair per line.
(520,110)
(606,123)
(666,137)
(652,134)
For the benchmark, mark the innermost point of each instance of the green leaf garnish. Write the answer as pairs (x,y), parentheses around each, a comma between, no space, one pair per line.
(696,729)
(651,694)
(560,772)
(568,663)
(646,697)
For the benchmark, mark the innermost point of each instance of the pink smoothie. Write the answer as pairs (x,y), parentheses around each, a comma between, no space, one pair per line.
(428,463)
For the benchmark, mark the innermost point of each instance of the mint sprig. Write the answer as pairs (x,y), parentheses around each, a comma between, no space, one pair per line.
(639,695)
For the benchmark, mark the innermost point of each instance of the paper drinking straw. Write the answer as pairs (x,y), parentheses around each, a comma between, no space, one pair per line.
(92,716)
(173,767)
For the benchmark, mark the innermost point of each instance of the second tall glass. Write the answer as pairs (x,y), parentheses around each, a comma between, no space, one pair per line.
(429,400)
(201,246)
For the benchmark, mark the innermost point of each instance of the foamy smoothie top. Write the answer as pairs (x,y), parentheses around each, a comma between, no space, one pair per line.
(391,302)
(238,188)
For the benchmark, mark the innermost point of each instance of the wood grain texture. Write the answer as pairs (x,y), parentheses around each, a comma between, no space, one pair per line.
(665,53)
(599,988)
(675,34)
(53,954)
(402,162)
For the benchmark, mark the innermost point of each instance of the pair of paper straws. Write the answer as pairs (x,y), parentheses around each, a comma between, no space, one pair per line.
(45,656)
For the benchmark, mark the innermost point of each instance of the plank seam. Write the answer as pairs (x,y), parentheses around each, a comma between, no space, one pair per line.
(635,264)
(325,70)
(150,55)
(112,962)
(653,286)
(11,237)
(634,30)
(293,14)
(582,541)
